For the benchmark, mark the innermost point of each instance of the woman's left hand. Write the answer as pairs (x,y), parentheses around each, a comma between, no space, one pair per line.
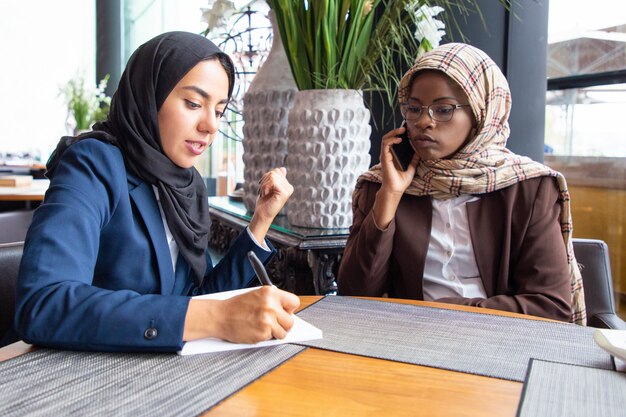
(274,191)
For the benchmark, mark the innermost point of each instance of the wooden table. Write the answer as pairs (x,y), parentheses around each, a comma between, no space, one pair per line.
(29,195)
(323,383)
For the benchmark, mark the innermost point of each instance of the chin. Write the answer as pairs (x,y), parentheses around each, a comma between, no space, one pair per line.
(427,157)
(184,164)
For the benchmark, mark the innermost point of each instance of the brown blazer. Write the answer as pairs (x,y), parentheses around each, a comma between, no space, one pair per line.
(517,242)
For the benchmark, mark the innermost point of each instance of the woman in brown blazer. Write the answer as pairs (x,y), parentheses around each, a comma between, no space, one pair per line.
(468,221)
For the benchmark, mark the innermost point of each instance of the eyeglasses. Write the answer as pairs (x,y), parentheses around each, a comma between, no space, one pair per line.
(437,112)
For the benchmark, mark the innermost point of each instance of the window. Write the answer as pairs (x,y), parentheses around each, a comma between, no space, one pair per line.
(586,78)
(585,134)
(246,37)
(44,44)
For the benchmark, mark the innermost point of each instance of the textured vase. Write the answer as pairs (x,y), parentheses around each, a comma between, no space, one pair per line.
(266,107)
(328,148)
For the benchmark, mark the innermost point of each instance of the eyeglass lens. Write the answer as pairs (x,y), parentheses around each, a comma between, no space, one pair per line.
(438,112)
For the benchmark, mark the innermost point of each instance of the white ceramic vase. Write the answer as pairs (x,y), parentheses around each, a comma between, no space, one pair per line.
(266,107)
(328,148)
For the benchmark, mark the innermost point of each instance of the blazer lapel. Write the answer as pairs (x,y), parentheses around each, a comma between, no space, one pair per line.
(411,244)
(483,216)
(145,201)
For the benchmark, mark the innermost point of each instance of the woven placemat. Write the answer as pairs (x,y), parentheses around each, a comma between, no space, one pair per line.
(555,389)
(475,343)
(60,383)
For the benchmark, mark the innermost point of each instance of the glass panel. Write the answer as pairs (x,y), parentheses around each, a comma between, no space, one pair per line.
(43,44)
(144,19)
(586,121)
(246,37)
(236,208)
(585,137)
(585,38)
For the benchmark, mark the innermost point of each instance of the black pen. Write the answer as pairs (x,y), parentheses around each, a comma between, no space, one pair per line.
(259,269)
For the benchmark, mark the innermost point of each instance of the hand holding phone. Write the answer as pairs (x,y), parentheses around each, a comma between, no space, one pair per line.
(403,152)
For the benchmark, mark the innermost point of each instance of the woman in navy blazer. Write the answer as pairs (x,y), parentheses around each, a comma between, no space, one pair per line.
(118,246)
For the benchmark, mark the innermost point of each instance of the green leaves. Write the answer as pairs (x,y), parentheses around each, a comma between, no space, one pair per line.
(325,40)
(355,44)
(86,105)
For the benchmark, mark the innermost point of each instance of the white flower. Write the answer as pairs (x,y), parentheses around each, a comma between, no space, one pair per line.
(427,12)
(217,14)
(429,30)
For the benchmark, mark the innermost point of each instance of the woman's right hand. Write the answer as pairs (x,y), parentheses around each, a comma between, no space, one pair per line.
(394,181)
(251,317)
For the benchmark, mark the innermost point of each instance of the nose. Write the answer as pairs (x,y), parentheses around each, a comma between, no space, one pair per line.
(209,123)
(425,119)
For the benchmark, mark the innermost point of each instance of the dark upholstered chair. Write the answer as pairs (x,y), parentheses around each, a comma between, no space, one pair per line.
(593,257)
(10,256)
(14,225)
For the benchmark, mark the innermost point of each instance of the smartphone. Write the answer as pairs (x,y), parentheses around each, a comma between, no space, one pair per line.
(403,152)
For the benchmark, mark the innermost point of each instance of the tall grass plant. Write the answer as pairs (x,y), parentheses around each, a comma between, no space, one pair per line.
(356,44)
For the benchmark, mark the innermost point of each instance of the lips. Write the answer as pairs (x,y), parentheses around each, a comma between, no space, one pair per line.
(196,147)
(423,140)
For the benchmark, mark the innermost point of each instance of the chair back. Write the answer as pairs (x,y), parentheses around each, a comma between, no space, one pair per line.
(14,225)
(10,257)
(592,256)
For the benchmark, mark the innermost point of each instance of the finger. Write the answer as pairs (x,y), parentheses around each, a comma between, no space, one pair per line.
(410,171)
(279,175)
(286,301)
(268,189)
(275,179)
(278,332)
(262,190)
(277,185)
(385,149)
(267,178)
(289,302)
(274,318)
(269,183)
(283,188)
(284,323)
(261,182)
(280,172)
(266,332)
(395,132)
(391,140)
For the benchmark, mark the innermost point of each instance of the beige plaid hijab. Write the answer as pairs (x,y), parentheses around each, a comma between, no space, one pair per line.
(484,164)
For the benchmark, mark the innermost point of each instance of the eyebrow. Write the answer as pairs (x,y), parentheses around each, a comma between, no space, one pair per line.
(203,93)
(435,100)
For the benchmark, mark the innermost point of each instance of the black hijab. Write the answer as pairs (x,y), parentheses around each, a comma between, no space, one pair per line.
(151,73)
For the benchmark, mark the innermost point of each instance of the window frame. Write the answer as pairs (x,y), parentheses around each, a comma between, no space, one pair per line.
(587,80)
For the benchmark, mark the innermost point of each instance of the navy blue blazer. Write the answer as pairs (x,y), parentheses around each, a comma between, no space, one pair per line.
(96,273)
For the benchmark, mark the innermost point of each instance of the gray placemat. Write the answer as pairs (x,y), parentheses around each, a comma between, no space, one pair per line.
(482,344)
(555,389)
(62,383)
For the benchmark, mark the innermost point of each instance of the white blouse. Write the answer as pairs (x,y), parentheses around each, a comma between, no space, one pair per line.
(450,269)
(171,242)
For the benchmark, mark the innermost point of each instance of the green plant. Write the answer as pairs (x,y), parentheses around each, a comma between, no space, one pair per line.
(356,44)
(86,105)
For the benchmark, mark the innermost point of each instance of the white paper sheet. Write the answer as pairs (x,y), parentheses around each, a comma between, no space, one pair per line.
(300,332)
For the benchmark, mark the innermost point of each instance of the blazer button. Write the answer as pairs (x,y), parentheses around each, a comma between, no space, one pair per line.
(150,333)
(194,291)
